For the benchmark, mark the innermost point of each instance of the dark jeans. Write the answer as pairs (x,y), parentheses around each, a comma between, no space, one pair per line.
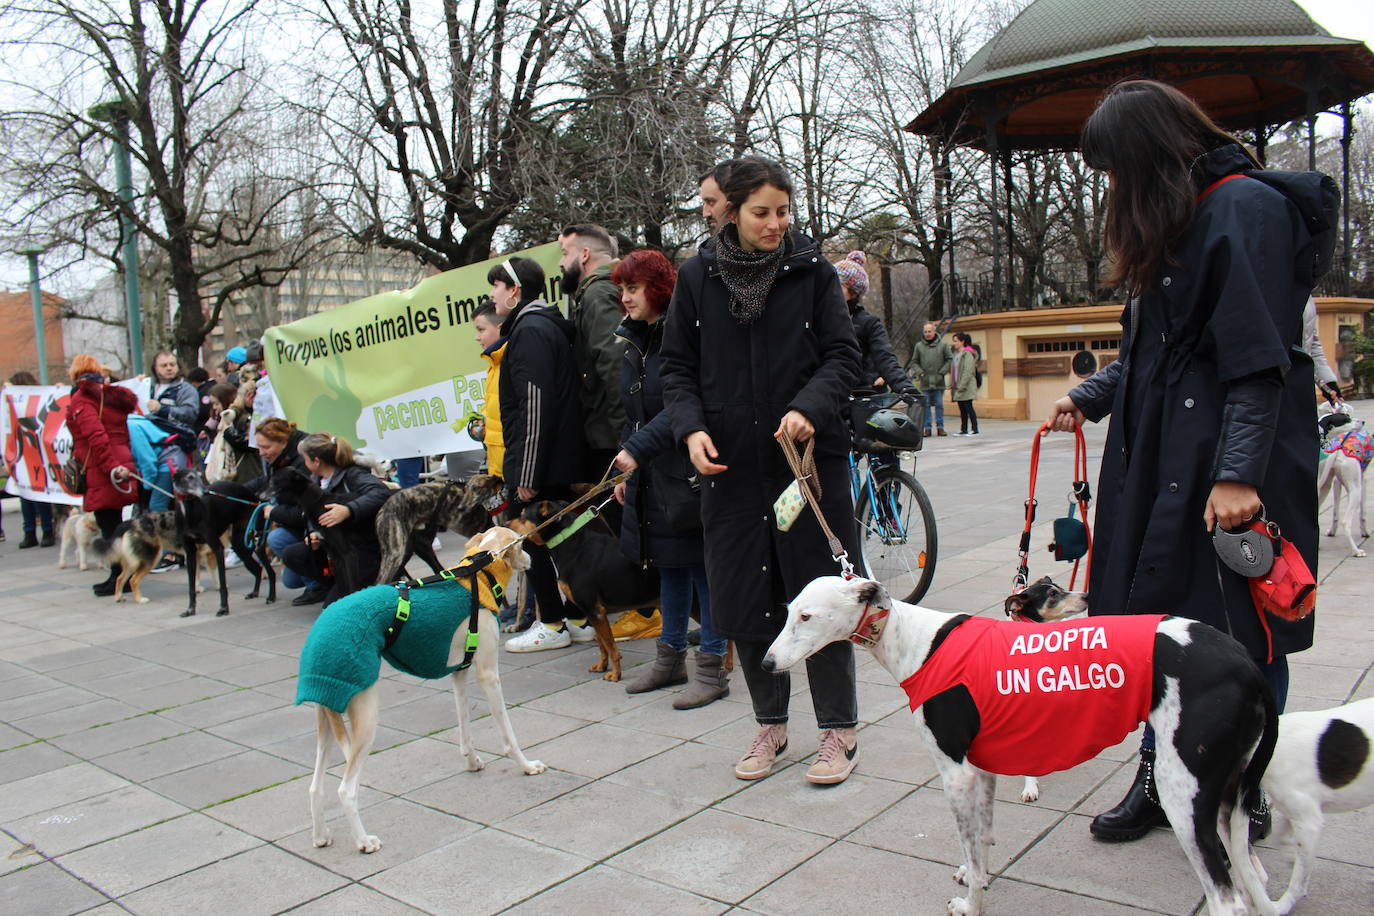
(935,406)
(408,471)
(967,416)
(830,673)
(33,512)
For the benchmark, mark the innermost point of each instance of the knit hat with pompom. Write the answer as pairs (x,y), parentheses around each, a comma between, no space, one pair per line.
(853,277)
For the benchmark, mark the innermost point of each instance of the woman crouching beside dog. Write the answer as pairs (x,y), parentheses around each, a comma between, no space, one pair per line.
(97,417)
(758,344)
(355,495)
(278,443)
(662,523)
(1211,399)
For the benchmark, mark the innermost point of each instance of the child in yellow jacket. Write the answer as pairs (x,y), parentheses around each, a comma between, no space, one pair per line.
(487,325)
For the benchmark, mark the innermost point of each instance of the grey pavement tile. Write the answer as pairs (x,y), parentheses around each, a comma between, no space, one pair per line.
(16,855)
(144,674)
(355,900)
(699,773)
(158,758)
(660,718)
(14,708)
(232,656)
(13,737)
(531,727)
(922,825)
(267,727)
(136,860)
(1323,681)
(619,892)
(227,708)
(1334,887)
(895,752)
(578,821)
(411,765)
(407,831)
(283,689)
(179,693)
(285,809)
(118,736)
(423,715)
(1007,895)
(467,866)
(879,700)
(724,856)
(92,820)
(1150,873)
(70,659)
(605,698)
(600,749)
(52,789)
(48,890)
(404,689)
(264,671)
(520,685)
(494,794)
(225,778)
(32,759)
(824,884)
(116,663)
(739,734)
(278,881)
(87,715)
(1062,791)
(788,800)
(29,686)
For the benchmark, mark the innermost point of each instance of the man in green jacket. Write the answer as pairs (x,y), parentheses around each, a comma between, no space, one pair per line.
(589,254)
(932,358)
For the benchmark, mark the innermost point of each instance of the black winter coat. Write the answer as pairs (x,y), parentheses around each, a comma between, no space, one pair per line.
(285,513)
(645,533)
(1212,384)
(736,382)
(877,359)
(541,416)
(363,493)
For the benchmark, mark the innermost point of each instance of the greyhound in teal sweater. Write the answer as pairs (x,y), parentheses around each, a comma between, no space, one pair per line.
(342,659)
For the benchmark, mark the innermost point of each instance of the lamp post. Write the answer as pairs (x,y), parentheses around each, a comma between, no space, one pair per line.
(117,113)
(39,338)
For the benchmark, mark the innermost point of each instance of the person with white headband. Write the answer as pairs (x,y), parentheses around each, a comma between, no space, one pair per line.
(541,421)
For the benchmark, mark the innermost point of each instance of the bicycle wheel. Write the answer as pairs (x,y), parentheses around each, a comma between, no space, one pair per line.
(897,533)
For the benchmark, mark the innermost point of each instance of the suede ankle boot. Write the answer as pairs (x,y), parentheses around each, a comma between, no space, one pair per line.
(1139,812)
(669,668)
(710,682)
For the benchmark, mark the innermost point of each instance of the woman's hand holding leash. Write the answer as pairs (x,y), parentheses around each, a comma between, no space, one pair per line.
(334,514)
(1065,416)
(703,453)
(1230,504)
(796,426)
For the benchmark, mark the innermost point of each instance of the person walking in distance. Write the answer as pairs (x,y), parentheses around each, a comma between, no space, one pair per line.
(933,359)
(964,383)
(758,345)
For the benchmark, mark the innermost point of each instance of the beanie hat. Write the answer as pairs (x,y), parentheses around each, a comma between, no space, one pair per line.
(853,277)
(237,355)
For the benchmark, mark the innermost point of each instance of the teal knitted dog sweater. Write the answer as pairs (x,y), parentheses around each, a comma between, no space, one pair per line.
(343,653)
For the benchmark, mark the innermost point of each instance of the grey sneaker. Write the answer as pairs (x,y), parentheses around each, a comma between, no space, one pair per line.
(835,761)
(768,744)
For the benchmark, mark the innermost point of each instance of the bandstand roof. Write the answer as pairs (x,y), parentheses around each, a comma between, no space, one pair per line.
(1249,63)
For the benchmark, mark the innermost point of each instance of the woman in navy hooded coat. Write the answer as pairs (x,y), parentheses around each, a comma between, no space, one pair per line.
(1211,397)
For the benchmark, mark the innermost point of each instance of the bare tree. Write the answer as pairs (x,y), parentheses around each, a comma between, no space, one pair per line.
(207,195)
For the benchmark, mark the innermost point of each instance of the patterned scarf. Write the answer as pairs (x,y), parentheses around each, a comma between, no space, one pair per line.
(748,275)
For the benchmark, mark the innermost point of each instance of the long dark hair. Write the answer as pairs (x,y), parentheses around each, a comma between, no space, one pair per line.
(748,174)
(1148,136)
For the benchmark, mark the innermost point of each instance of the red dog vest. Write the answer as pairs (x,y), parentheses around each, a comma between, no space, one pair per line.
(1049,695)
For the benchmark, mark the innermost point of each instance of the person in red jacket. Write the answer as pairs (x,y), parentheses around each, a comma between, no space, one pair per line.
(97,417)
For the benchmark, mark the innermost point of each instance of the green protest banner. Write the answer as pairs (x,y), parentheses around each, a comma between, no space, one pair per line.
(398,373)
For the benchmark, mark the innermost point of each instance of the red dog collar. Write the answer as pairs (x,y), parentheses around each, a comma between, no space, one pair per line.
(870,626)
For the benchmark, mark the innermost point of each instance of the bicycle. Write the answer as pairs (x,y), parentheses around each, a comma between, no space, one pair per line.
(897,534)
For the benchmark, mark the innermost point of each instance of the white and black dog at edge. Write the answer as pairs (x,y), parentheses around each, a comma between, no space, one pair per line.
(1214,717)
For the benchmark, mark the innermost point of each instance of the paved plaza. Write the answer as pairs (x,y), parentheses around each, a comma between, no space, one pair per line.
(157,766)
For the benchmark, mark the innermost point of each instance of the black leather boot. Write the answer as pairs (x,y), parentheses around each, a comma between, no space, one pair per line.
(1139,812)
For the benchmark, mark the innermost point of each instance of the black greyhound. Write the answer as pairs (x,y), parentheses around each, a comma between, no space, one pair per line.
(204,512)
(312,498)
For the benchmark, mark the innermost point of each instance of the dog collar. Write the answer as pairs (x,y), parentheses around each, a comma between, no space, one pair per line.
(870,626)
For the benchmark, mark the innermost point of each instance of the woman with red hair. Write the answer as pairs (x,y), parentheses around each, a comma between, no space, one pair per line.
(662,523)
(97,418)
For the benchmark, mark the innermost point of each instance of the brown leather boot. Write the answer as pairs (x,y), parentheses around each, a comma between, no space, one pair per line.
(669,668)
(710,682)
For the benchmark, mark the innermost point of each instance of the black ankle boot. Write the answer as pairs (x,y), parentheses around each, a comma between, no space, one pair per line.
(1139,812)
(107,588)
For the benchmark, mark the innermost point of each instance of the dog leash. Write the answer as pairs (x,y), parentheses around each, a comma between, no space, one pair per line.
(605,484)
(809,482)
(1081,492)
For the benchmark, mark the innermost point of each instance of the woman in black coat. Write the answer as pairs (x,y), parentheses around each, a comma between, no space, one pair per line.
(662,521)
(1211,399)
(758,344)
(355,495)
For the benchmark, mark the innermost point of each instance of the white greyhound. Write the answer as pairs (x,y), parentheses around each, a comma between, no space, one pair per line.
(1346,449)
(1029,698)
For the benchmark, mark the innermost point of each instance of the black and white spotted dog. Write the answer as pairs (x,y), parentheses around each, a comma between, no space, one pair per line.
(1324,762)
(1213,715)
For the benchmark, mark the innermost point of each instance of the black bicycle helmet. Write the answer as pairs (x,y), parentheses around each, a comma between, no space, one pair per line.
(893,429)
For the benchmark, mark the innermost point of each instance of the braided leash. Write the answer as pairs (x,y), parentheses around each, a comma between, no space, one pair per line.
(809,482)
